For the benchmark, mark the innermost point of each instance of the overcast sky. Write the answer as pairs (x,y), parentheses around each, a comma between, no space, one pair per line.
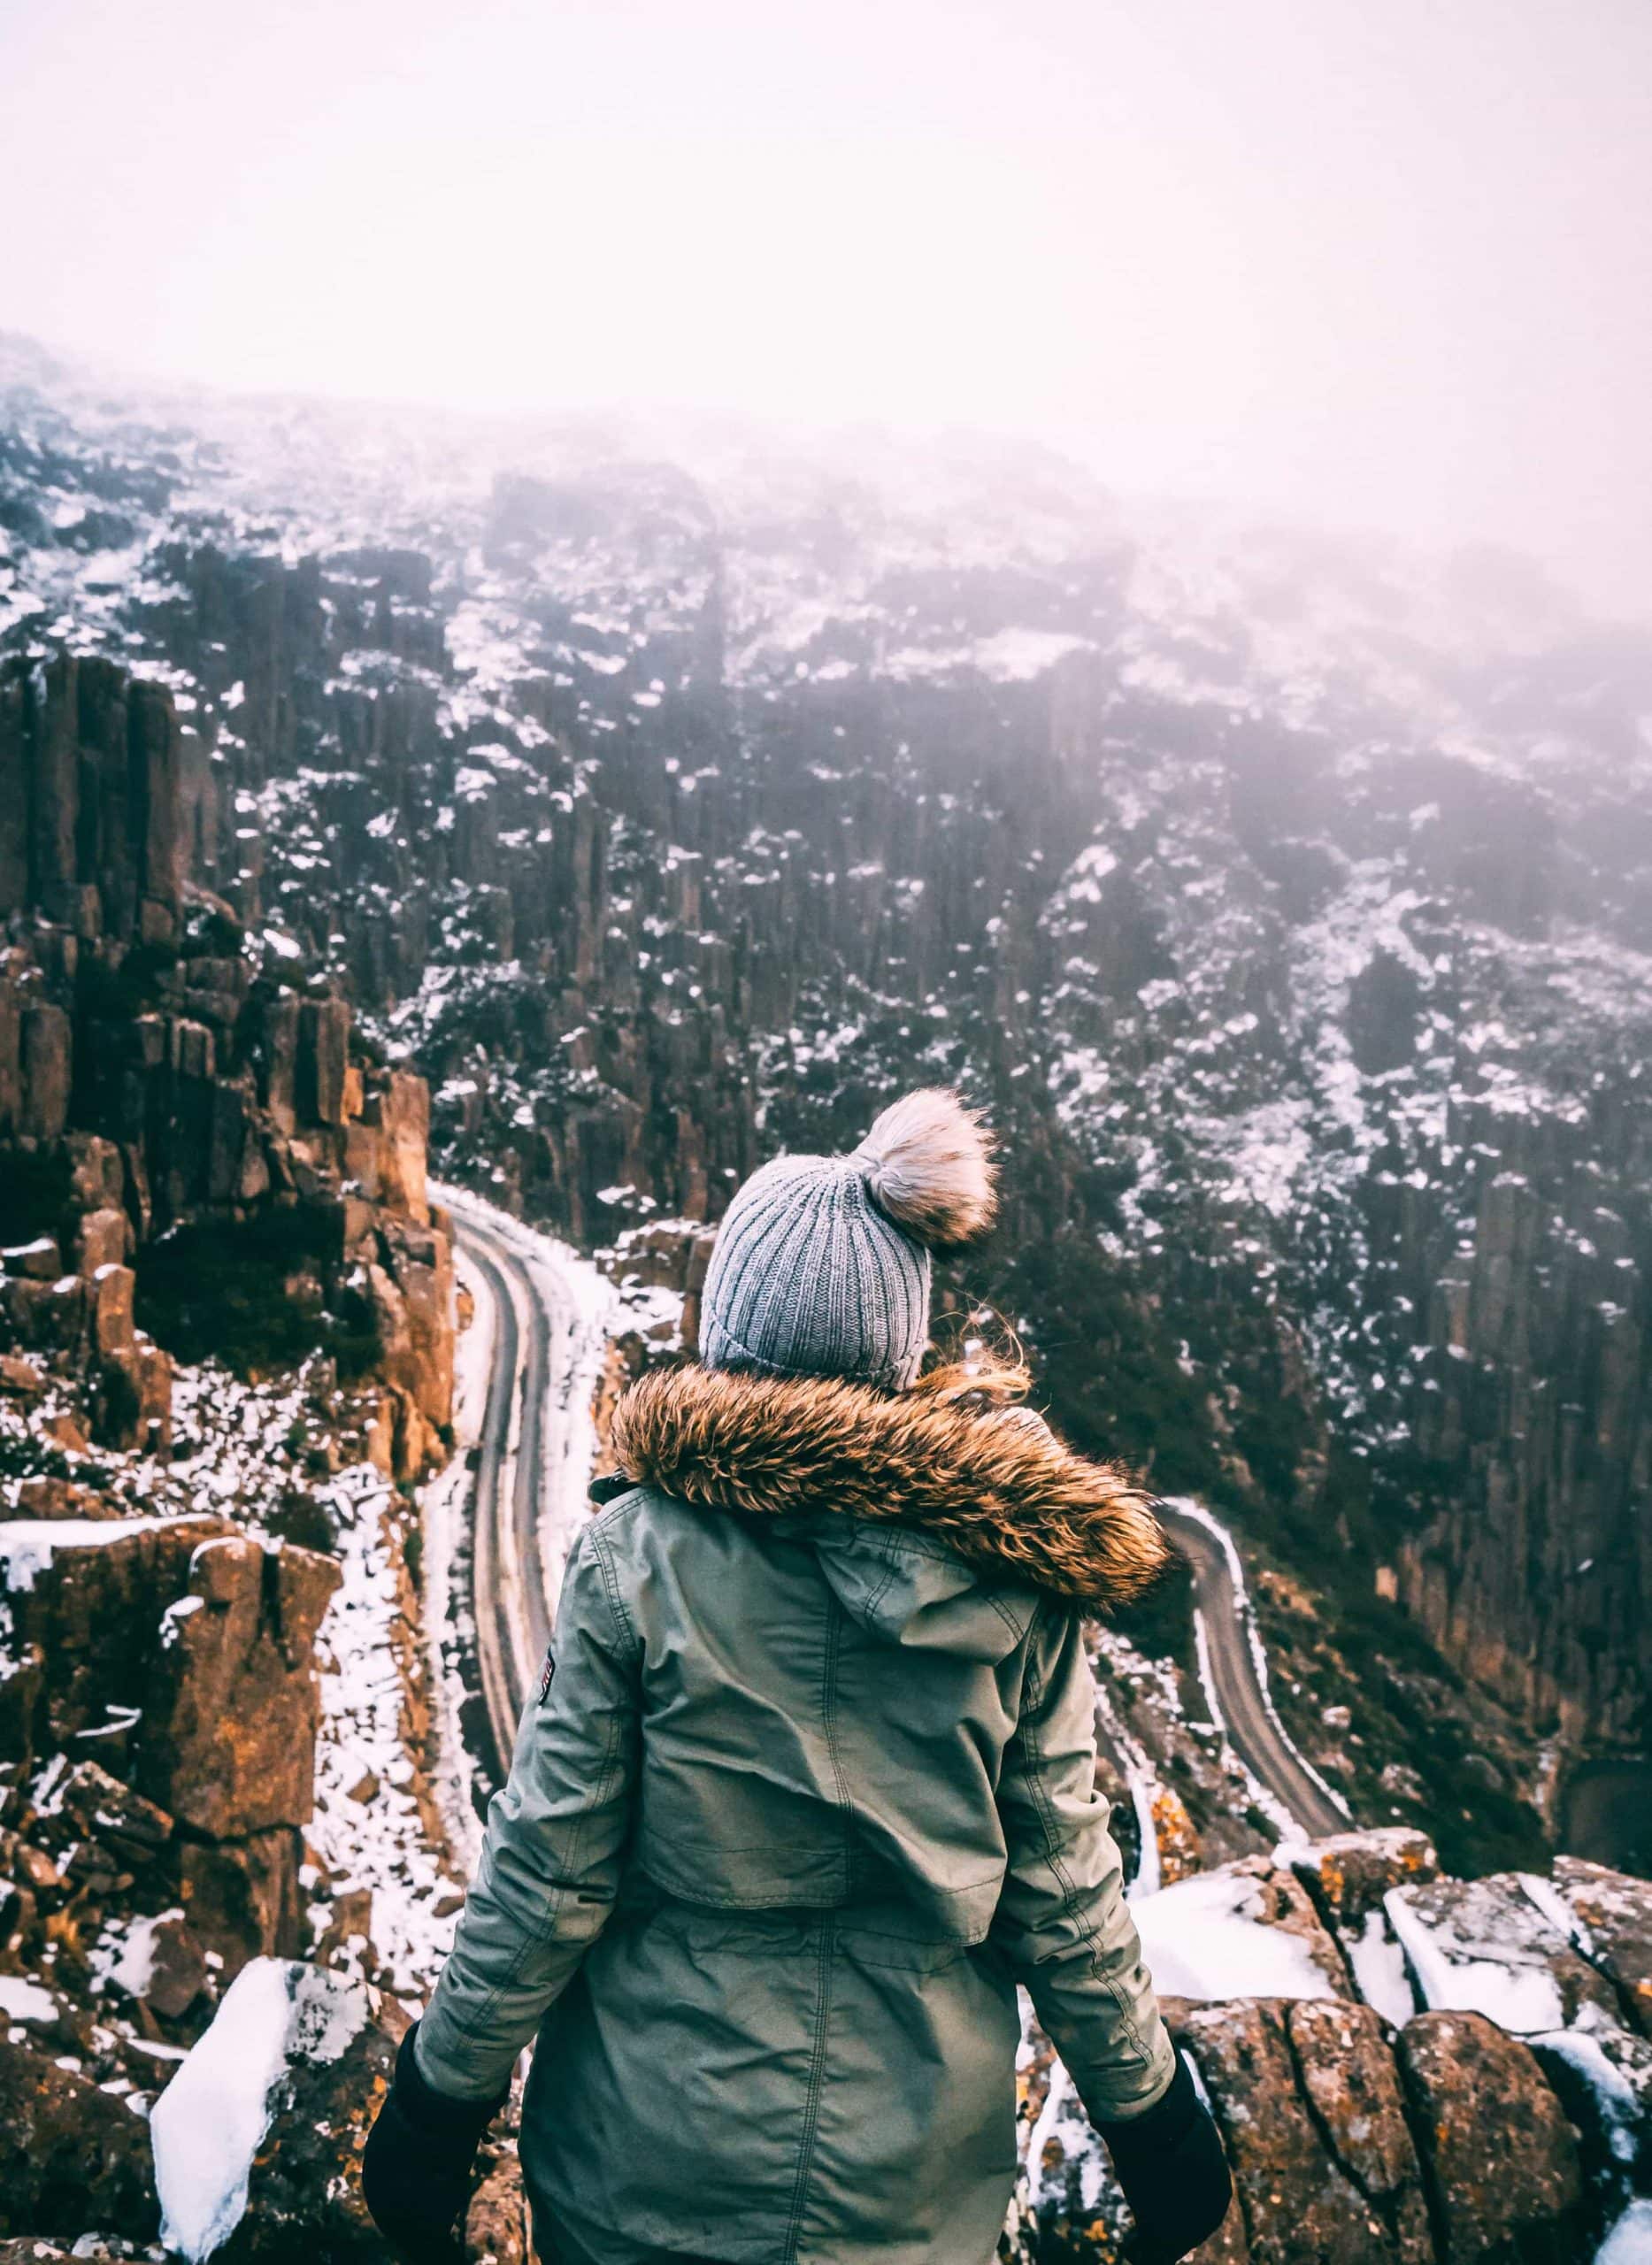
(1383,262)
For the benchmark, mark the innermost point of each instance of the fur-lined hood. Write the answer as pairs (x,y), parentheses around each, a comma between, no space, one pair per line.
(994,1484)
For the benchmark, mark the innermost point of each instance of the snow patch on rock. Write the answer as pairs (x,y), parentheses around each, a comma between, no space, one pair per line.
(28,1545)
(1201,1939)
(207,2125)
(1520,1999)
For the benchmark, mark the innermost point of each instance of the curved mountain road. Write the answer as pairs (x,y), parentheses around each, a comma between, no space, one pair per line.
(532,1469)
(1230,1665)
(533,1457)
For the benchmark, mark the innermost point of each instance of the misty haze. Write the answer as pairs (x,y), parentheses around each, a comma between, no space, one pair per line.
(589,596)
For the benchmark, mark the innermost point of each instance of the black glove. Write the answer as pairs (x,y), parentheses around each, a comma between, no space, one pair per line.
(416,2166)
(1171,2165)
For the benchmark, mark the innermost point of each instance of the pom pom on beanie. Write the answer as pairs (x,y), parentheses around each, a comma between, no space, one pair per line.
(927,1161)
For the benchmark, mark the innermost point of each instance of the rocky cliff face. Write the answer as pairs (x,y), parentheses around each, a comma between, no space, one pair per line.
(166,1667)
(1288,907)
(215,1807)
(163,1084)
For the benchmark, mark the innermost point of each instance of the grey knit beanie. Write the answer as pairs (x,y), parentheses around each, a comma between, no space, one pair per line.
(822,1268)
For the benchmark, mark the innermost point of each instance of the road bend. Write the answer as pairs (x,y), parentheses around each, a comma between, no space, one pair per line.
(525,1471)
(1235,1686)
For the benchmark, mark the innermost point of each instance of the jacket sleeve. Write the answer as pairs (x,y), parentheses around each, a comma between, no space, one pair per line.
(1062,1920)
(554,1845)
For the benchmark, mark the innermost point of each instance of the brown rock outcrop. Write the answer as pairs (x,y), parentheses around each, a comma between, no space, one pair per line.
(72,2159)
(230,1709)
(196,1645)
(1447,2141)
(496,2230)
(1349,1874)
(1310,2108)
(1502,2163)
(89,1610)
(151,1078)
(242,1897)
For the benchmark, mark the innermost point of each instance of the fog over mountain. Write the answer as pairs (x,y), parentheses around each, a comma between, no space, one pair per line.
(1368,268)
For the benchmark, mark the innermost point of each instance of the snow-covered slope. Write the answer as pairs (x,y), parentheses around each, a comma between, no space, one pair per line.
(665,796)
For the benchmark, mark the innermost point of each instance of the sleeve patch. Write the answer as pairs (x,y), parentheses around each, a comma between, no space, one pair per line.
(545,1674)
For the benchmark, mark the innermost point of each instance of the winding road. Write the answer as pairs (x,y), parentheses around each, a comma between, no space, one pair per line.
(1233,1668)
(533,1457)
(532,1462)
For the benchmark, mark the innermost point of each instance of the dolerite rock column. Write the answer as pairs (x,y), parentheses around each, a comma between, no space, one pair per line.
(72,2157)
(1502,2159)
(153,1077)
(198,1644)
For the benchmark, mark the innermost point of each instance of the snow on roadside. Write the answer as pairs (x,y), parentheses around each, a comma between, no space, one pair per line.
(583,1311)
(1262,1797)
(583,1306)
(446,1503)
(369,1828)
(1155,1752)
(593,1292)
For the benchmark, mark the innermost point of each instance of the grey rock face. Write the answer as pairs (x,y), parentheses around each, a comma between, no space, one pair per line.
(1287,903)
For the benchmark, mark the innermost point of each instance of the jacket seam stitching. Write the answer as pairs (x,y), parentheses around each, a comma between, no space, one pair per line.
(624,1629)
(1004,1614)
(1071,1911)
(812,2103)
(534,1938)
(882,1590)
(828,1704)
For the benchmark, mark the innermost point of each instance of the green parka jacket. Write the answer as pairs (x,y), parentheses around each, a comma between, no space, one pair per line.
(809,1788)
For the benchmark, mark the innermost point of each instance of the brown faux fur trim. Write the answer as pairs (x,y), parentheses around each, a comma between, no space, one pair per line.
(1002,1492)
